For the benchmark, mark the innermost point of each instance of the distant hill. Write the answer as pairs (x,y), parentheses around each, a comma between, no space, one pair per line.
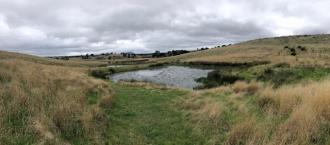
(47,61)
(307,50)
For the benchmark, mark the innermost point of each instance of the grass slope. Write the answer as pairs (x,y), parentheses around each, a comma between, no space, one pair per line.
(239,114)
(149,116)
(311,50)
(42,102)
(256,114)
(29,58)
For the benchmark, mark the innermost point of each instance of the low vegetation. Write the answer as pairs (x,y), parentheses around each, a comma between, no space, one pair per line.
(305,50)
(47,103)
(275,93)
(218,78)
(256,113)
(72,63)
(262,92)
(145,114)
(277,74)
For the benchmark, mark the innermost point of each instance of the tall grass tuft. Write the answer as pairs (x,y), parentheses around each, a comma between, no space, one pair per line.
(307,109)
(42,104)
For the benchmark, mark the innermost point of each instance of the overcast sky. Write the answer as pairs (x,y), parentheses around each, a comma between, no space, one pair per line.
(74,27)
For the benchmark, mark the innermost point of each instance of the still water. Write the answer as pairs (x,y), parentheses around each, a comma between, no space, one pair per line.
(177,76)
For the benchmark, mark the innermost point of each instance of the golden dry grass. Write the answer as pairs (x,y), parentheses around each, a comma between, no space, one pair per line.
(242,86)
(267,50)
(246,133)
(40,60)
(209,110)
(307,106)
(290,115)
(50,104)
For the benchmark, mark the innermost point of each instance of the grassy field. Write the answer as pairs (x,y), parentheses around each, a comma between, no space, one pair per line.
(34,59)
(144,115)
(238,114)
(310,51)
(253,113)
(281,102)
(259,94)
(46,102)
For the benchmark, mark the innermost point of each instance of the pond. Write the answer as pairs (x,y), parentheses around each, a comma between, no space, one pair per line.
(177,76)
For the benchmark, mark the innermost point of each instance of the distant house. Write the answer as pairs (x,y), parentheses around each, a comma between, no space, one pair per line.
(129,55)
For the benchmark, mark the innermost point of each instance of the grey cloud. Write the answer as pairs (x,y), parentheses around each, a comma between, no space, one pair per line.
(65,27)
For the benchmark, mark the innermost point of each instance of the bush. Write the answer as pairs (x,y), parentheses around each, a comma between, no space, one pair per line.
(101,73)
(218,78)
(302,48)
(279,76)
(292,49)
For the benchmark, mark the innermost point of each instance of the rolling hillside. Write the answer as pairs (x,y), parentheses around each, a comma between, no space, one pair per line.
(30,58)
(43,101)
(47,102)
(307,50)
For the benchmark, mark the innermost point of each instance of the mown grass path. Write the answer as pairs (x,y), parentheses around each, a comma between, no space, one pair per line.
(149,116)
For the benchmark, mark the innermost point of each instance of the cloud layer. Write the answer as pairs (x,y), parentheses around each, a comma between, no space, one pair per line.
(74,27)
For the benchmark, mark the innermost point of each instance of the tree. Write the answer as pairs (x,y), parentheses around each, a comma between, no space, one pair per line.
(85,57)
(156,54)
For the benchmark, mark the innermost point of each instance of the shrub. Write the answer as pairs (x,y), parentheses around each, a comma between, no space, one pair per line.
(218,78)
(292,49)
(101,73)
(302,48)
(279,76)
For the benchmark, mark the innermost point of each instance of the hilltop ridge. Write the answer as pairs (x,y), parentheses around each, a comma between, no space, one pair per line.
(302,50)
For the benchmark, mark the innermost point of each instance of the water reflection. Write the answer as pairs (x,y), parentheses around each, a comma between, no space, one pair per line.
(177,76)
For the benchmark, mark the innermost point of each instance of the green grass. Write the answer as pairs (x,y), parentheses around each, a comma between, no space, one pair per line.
(149,116)
(93,97)
(281,76)
(215,130)
(277,75)
(155,116)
